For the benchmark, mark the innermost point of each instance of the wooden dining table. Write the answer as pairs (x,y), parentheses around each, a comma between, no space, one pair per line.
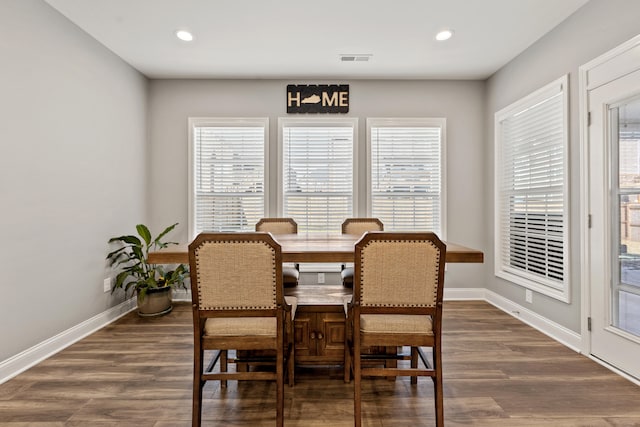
(318,247)
(320,319)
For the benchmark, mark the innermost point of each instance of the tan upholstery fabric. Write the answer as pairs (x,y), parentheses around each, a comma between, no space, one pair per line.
(276,227)
(240,326)
(356,226)
(290,274)
(387,279)
(222,265)
(396,323)
(360,227)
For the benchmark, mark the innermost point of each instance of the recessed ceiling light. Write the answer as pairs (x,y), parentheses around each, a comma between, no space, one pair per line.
(444,35)
(184,35)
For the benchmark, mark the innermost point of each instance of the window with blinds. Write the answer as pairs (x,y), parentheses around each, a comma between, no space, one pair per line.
(406,173)
(317,173)
(532,191)
(227,174)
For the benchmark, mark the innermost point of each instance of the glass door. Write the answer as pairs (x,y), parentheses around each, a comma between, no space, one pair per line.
(625,144)
(614,236)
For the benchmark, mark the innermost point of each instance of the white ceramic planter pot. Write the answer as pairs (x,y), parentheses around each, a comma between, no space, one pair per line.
(156,302)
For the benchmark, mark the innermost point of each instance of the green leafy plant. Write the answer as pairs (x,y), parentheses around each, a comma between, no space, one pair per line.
(137,274)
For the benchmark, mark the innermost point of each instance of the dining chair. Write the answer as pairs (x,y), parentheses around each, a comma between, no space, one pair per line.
(357,226)
(397,302)
(239,304)
(290,272)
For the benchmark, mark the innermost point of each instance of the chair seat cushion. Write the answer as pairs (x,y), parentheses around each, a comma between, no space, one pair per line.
(347,277)
(290,276)
(396,324)
(237,326)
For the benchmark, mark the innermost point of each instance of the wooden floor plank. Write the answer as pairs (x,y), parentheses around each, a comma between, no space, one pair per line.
(498,372)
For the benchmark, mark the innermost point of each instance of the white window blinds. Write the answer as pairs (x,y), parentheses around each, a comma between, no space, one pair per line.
(317,175)
(531,189)
(228,173)
(406,174)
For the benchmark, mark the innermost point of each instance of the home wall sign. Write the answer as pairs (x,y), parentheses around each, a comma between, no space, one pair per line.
(317,99)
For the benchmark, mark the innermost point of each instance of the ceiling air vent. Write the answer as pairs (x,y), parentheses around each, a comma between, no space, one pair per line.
(355,57)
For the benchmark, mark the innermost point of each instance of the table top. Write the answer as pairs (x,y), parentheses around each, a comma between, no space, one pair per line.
(315,248)
(320,296)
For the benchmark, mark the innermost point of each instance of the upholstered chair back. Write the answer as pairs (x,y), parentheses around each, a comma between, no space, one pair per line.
(236,271)
(277,225)
(359,226)
(400,270)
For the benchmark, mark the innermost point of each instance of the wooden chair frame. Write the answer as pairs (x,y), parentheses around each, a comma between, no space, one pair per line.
(281,343)
(355,339)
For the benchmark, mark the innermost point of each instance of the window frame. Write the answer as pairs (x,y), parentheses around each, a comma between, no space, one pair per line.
(193,123)
(351,122)
(519,277)
(440,122)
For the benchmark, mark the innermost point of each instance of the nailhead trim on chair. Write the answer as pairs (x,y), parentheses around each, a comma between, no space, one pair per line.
(363,299)
(202,268)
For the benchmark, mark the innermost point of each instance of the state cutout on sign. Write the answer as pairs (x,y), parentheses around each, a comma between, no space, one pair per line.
(313,99)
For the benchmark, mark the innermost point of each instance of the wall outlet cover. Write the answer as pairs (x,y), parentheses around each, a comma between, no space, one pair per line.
(528,296)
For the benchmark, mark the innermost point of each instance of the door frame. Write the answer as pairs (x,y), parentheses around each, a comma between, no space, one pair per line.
(607,67)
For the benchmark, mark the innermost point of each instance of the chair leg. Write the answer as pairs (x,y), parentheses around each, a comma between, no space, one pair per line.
(437,387)
(391,363)
(414,363)
(198,384)
(291,364)
(223,365)
(347,351)
(347,363)
(290,341)
(357,392)
(280,389)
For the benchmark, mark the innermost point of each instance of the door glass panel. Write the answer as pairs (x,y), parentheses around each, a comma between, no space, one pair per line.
(625,133)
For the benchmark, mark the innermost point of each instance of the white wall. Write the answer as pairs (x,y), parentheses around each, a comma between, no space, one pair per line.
(594,29)
(72,171)
(171,102)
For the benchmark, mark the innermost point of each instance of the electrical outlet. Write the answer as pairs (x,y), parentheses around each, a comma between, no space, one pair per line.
(107,285)
(528,296)
(320,277)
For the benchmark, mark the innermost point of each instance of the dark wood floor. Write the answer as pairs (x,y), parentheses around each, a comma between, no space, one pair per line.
(497,371)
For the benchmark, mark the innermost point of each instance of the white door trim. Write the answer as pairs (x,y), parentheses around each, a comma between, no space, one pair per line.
(601,70)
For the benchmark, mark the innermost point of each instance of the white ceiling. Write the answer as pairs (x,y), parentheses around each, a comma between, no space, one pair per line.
(303,38)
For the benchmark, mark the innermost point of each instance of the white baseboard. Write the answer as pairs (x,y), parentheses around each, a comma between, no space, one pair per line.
(464,294)
(14,365)
(563,335)
(183,295)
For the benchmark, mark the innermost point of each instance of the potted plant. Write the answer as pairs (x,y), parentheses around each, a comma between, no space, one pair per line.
(152,283)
